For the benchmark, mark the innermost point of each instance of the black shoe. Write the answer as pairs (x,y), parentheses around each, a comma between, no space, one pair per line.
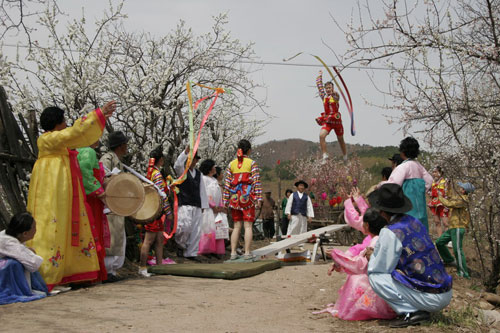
(197,259)
(180,253)
(411,319)
(111,278)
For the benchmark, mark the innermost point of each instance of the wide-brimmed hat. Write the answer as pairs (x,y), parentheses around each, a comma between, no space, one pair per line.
(301,182)
(116,139)
(390,198)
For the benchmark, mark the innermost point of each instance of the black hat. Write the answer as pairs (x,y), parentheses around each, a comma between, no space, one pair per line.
(301,182)
(116,139)
(396,158)
(390,198)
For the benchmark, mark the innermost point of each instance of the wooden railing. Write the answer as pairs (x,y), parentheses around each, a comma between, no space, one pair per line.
(18,151)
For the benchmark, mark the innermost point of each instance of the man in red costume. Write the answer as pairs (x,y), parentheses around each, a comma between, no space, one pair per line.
(330,119)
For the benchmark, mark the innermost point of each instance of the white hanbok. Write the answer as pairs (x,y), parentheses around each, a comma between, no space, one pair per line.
(189,217)
(11,247)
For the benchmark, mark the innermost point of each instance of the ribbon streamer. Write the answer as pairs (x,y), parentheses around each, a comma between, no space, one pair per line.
(193,145)
(351,113)
(348,103)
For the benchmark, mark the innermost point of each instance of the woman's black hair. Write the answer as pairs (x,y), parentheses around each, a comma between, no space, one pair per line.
(410,147)
(157,153)
(51,117)
(244,145)
(439,169)
(288,191)
(206,166)
(19,223)
(218,171)
(375,221)
(386,172)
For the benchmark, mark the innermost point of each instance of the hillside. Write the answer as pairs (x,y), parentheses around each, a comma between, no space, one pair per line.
(270,152)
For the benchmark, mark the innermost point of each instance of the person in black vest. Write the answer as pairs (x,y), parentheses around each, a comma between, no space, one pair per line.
(299,210)
(192,200)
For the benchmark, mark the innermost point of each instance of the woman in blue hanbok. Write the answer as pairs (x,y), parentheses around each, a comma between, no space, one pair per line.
(19,277)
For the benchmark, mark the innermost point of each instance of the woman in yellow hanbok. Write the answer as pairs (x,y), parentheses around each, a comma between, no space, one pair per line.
(56,198)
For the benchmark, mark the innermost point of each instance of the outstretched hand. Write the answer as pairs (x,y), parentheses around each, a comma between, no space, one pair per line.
(108,109)
(334,267)
(355,193)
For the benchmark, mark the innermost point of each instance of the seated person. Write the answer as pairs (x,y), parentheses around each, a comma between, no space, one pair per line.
(405,268)
(356,300)
(19,277)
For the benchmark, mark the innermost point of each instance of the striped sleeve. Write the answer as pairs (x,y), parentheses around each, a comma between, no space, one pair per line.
(158,180)
(228,179)
(257,187)
(319,84)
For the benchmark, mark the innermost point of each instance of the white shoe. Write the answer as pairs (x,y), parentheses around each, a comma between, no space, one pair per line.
(449,245)
(345,158)
(324,159)
(144,272)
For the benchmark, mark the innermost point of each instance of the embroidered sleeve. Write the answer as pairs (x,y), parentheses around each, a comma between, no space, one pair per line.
(257,187)
(228,179)
(319,84)
(158,180)
(454,202)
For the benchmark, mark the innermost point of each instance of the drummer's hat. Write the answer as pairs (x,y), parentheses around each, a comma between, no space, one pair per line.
(301,182)
(116,139)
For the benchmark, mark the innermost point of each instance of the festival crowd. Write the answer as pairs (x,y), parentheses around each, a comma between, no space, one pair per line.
(69,236)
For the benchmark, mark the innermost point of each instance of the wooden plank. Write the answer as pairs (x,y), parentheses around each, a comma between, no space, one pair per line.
(296,240)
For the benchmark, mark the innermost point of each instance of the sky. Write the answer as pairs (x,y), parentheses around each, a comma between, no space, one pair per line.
(279,29)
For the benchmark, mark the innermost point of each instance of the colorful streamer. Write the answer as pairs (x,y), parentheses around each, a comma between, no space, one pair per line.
(348,103)
(172,184)
(351,113)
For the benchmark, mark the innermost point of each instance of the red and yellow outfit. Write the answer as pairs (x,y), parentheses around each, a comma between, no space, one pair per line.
(157,178)
(330,118)
(437,208)
(242,188)
(56,199)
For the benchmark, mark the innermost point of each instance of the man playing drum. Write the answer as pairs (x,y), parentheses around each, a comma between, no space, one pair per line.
(115,254)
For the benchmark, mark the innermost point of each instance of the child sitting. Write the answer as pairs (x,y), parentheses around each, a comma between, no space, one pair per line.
(458,222)
(19,277)
(357,300)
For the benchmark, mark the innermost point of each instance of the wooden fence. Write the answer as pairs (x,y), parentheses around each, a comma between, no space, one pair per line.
(18,152)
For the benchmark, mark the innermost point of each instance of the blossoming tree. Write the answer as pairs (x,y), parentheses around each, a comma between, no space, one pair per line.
(444,61)
(147,76)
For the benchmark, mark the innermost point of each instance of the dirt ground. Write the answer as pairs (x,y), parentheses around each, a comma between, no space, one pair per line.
(275,301)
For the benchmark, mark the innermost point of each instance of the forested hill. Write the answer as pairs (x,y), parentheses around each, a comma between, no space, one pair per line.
(267,154)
